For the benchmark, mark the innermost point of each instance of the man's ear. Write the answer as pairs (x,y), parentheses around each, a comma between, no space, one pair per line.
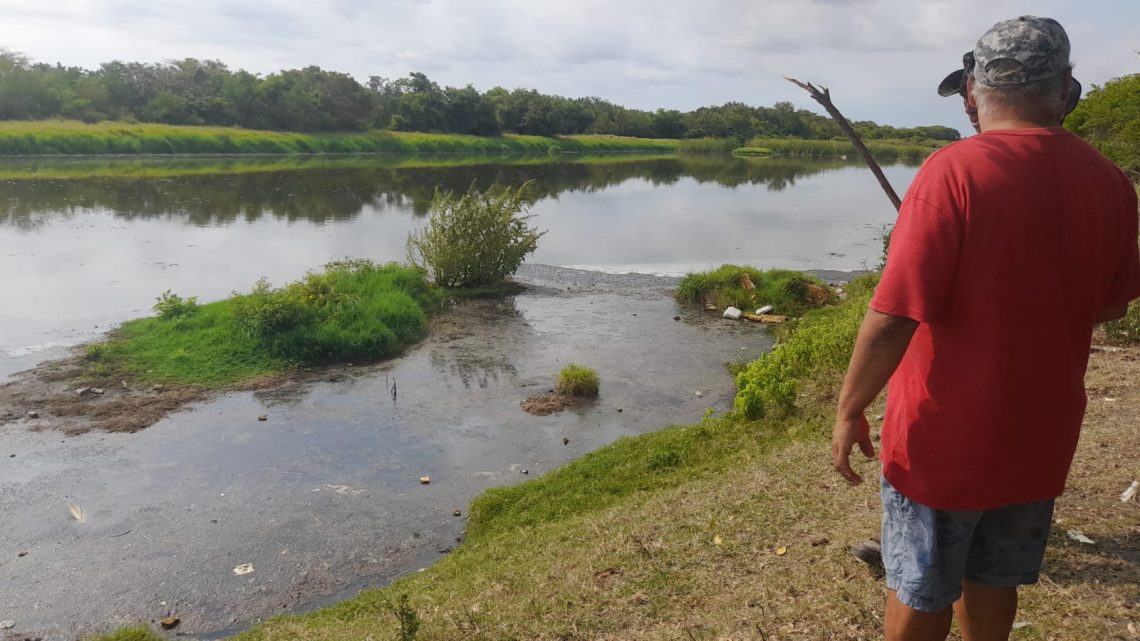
(971,102)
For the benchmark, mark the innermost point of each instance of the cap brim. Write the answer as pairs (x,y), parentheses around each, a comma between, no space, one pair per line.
(1074,95)
(951,84)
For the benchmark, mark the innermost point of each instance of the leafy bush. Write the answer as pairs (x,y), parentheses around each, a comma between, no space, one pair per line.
(790,292)
(1108,118)
(576,380)
(170,305)
(354,310)
(820,343)
(474,239)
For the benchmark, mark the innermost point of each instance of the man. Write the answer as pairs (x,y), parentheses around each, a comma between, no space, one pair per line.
(954,84)
(1009,248)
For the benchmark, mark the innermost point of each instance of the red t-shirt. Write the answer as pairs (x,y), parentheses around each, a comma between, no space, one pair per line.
(1007,247)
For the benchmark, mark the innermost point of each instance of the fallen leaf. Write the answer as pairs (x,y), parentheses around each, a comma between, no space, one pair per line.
(781,551)
(77,512)
(717,540)
(820,540)
(1131,628)
(169,622)
(244,568)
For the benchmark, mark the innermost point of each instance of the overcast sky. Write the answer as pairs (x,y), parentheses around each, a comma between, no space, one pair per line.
(882,59)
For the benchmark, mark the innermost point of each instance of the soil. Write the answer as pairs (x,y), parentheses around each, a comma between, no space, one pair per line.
(548,403)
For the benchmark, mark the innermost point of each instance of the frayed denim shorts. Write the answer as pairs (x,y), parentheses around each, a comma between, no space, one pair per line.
(927,552)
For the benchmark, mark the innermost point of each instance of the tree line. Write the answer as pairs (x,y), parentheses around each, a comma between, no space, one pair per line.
(207,92)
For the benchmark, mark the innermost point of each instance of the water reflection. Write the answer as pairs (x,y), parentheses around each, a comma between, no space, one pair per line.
(339,189)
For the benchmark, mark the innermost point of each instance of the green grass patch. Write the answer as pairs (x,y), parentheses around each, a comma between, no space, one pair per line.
(789,292)
(883,150)
(577,380)
(353,310)
(752,151)
(55,137)
(708,145)
(819,344)
(141,633)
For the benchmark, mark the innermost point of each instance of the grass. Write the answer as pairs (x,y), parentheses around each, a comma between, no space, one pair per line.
(789,292)
(732,529)
(752,151)
(54,137)
(883,150)
(707,145)
(352,311)
(576,380)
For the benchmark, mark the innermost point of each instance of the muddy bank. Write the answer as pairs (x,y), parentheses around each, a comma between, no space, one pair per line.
(323,497)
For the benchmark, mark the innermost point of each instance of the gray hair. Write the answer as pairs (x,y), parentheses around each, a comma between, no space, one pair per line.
(1048,93)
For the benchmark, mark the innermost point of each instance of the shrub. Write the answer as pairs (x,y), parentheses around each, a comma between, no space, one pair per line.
(170,305)
(474,239)
(790,292)
(819,344)
(575,380)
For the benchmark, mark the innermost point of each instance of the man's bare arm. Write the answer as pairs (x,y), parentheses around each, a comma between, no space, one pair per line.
(879,348)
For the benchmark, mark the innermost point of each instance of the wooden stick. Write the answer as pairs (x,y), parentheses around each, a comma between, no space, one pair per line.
(823,96)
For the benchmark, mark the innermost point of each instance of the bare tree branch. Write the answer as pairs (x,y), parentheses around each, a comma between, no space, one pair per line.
(823,96)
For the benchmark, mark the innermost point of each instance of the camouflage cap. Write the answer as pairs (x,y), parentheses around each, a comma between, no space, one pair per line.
(1040,46)
(954,84)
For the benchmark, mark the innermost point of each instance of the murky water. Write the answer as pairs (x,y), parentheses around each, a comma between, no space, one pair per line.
(324,498)
(82,254)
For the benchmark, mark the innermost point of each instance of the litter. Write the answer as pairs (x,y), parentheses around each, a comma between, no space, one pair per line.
(1020,624)
(1079,537)
(424,480)
(746,283)
(770,319)
(732,313)
(767,309)
(77,512)
(1130,493)
(244,568)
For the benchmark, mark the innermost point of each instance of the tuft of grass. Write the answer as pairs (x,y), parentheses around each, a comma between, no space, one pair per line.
(140,633)
(790,292)
(354,310)
(54,137)
(576,380)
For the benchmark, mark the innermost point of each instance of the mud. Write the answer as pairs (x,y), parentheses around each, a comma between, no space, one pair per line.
(323,498)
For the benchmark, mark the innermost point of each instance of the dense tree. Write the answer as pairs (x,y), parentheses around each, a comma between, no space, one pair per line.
(206,92)
(1109,118)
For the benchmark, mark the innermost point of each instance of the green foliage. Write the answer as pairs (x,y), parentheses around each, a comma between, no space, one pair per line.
(819,344)
(474,239)
(354,310)
(170,305)
(1109,118)
(576,380)
(885,150)
(1125,331)
(406,617)
(708,145)
(139,633)
(790,292)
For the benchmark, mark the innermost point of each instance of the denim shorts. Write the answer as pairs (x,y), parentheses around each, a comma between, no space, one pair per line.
(927,552)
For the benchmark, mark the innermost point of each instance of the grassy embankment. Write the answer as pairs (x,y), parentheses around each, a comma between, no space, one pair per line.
(353,310)
(883,150)
(732,528)
(72,137)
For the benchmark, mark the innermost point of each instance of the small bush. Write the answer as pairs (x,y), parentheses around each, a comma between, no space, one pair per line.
(575,380)
(474,239)
(170,305)
(790,292)
(820,344)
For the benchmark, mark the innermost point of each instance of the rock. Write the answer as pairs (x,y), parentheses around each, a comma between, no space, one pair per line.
(457,513)
(96,390)
(698,393)
(424,480)
(156,388)
(565,440)
(21,554)
(263,418)
(169,622)
(619,409)
(7,625)
(33,414)
(82,390)
(677,318)
(243,569)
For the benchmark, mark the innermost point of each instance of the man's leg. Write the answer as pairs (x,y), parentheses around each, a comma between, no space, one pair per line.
(985,613)
(904,623)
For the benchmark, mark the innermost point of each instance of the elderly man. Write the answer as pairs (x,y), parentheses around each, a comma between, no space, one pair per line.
(1009,248)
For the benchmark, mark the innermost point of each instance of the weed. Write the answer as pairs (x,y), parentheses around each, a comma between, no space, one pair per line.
(664,460)
(708,145)
(1125,331)
(407,618)
(576,380)
(475,239)
(170,305)
(747,288)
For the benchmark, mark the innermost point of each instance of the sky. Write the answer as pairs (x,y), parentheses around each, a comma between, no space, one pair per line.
(882,59)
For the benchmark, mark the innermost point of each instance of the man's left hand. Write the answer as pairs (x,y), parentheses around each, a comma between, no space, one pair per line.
(849,431)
